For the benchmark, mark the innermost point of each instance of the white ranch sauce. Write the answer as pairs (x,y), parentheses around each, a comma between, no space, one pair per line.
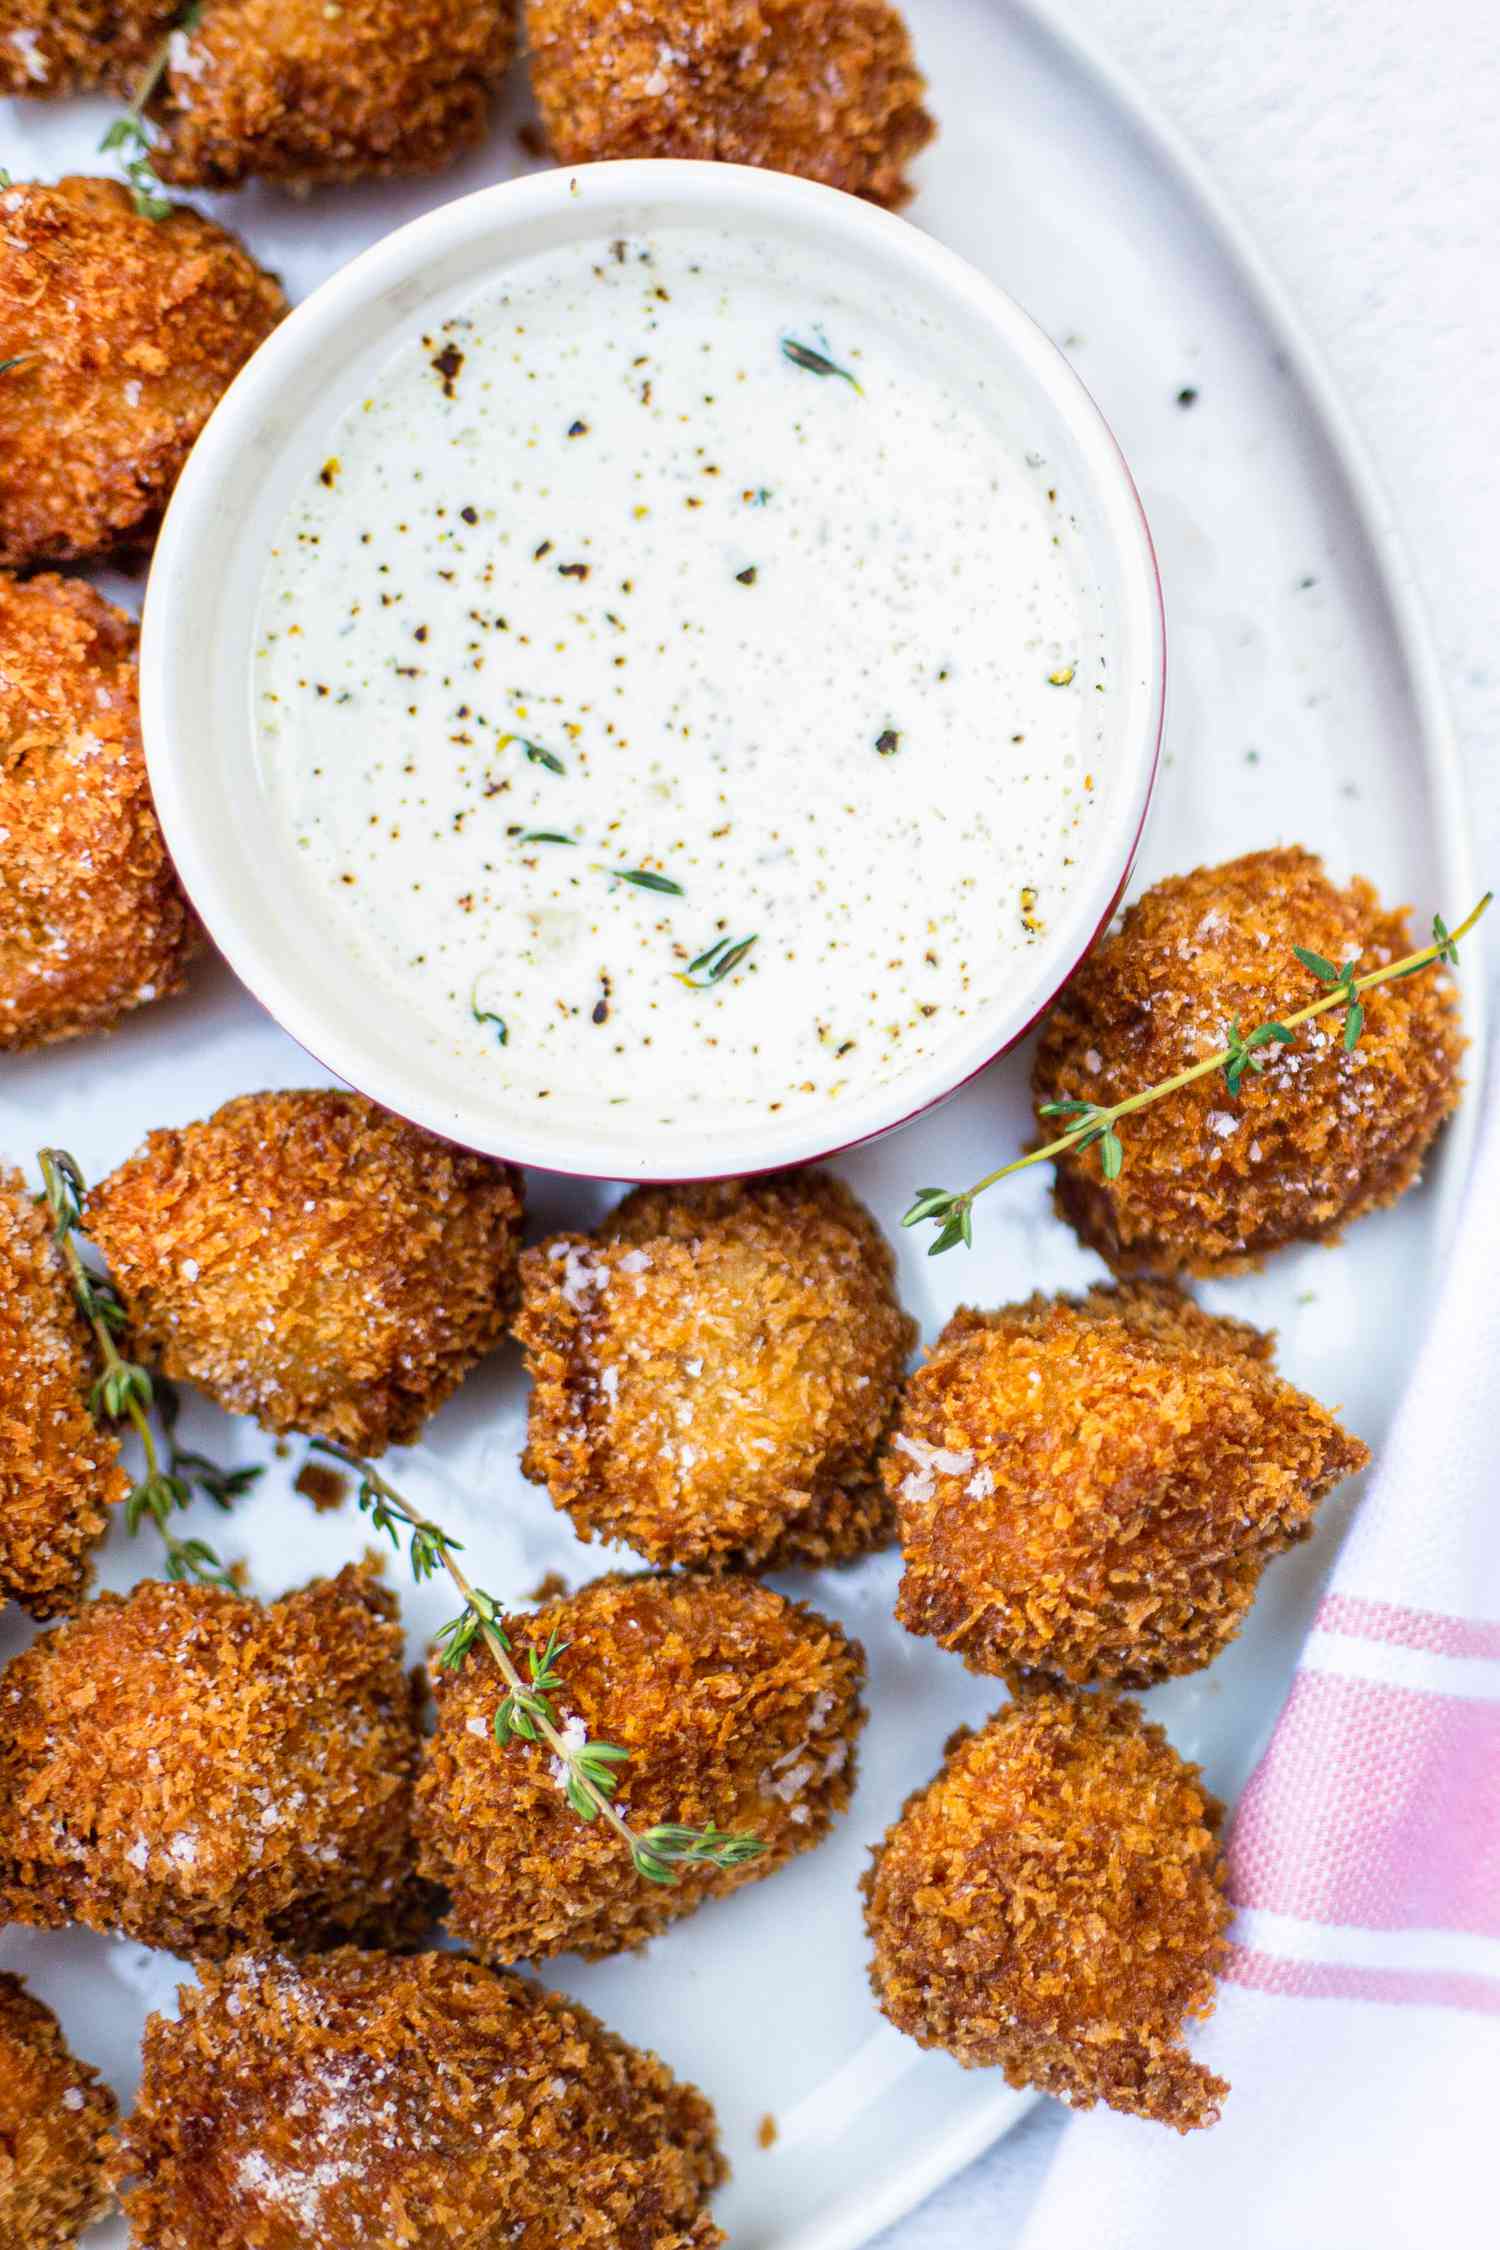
(827,658)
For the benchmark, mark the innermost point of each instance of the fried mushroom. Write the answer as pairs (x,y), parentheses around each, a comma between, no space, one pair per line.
(1052,1905)
(357,2099)
(297,91)
(121,334)
(826,88)
(311,1260)
(56,2129)
(738,1708)
(193,1770)
(93,922)
(1089,1488)
(713,1373)
(59,1472)
(54,47)
(1316,1137)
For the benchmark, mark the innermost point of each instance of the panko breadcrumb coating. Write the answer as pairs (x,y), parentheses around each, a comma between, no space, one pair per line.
(299,91)
(311,1260)
(827,88)
(56,2129)
(93,922)
(52,47)
(714,1371)
(1052,1904)
(126,332)
(1210,1184)
(194,1770)
(360,2102)
(59,1472)
(737,1706)
(1089,1488)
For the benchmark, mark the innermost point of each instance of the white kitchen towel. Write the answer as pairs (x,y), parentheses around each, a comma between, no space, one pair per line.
(1359,2020)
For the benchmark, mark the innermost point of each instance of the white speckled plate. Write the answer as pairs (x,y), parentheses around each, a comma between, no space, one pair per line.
(1304,707)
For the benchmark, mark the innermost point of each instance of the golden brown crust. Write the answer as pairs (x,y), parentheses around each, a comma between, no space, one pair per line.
(295,90)
(737,1707)
(1052,1905)
(714,1371)
(127,331)
(311,1260)
(193,1770)
(59,1472)
(54,47)
(93,922)
(1210,1184)
(355,2100)
(827,88)
(1089,1488)
(56,2129)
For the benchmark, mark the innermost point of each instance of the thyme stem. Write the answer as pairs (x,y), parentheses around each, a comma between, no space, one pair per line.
(951,1213)
(128,132)
(527,1709)
(124,1390)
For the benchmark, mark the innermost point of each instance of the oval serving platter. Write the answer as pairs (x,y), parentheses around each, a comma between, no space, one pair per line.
(1305,706)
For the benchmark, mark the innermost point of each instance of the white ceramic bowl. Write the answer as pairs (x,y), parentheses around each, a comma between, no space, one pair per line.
(270,430)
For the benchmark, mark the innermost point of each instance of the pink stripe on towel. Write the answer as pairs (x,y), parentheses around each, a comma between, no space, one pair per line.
(1375,1806)
(1429,1629)
(1339,1980)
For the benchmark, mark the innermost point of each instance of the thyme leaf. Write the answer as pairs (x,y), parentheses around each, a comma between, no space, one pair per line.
(643,878)
(537,753)
(720,960)
(487,1015)
(816,363)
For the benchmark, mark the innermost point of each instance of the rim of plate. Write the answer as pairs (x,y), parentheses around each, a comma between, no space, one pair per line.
(181,596)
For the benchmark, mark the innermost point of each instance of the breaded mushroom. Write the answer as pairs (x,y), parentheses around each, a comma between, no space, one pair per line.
(298,91)
(195,1771)
(60,1472)
(311,1260)
(123,333)
(739,1709)
(714,1371)
(1318,1136)
(1089,1488)
(827,88)
(93,922)
(1052,1905)
(56,2129)
(54,47)
(361,2102)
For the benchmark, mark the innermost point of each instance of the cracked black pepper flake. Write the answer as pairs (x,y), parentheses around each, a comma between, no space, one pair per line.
(448,363)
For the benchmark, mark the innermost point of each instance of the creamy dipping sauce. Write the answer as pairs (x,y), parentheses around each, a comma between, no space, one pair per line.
(682,689)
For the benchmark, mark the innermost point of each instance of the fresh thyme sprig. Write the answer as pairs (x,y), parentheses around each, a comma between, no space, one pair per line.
(124,1392)
(128,133)
(527,1711)
(1093,1125)
(18,360)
